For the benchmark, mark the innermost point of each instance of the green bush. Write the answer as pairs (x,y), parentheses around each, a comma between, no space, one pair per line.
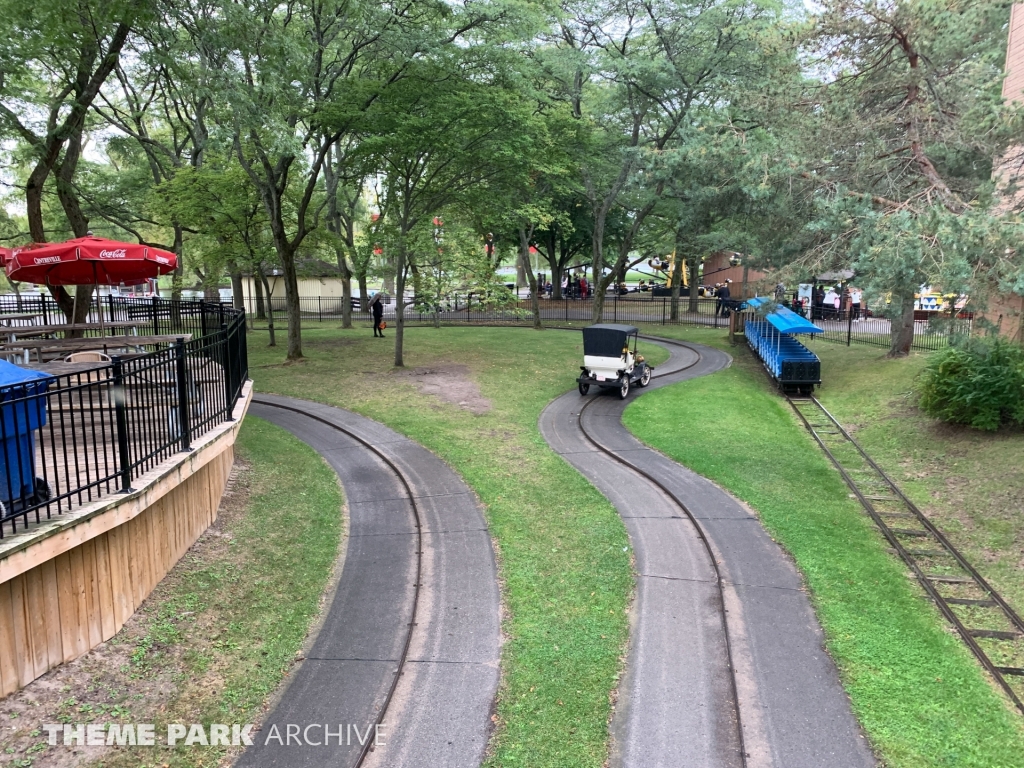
(977,382)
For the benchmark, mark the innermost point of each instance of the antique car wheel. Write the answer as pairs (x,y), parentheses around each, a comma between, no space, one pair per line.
(624,390)
(584,388)
(645,377)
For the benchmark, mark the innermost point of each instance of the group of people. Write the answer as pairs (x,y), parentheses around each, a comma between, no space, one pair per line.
(573,287)
(829,303)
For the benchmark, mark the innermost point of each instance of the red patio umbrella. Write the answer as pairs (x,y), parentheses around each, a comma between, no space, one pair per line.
(88,261)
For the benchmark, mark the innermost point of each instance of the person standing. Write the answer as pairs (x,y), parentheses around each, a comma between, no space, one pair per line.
(723,298)
(855,299)
(377,308)
(829,304)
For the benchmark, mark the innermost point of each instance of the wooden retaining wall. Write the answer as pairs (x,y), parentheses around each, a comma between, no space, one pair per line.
(77,583)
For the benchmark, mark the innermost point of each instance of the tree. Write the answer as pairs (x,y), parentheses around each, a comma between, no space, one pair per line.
(640,72)
(437,138)
(903,127)
(54,59)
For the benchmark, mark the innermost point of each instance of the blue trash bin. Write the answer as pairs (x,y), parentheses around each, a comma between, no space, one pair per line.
(22,411)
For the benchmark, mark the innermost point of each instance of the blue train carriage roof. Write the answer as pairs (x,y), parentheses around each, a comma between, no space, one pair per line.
(785,320)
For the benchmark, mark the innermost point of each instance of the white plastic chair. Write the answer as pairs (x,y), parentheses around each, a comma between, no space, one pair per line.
(87,357)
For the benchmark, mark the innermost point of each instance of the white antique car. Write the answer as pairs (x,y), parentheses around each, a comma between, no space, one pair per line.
(608,361)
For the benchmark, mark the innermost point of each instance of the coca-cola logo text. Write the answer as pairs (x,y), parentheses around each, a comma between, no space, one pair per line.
(119,253)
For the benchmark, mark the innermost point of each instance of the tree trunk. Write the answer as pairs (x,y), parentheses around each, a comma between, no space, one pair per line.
(291,303)
(261,312)
(521,278)
(400,305)
(176,280)
(693,265)
(597,250)
(237,291)
(364,293)
(68,198)
(677,276)
(346,287)
(270,307)
(902,328)
(524,260)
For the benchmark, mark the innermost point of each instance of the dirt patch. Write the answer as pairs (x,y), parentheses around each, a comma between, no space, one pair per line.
(449,383)
(111,683)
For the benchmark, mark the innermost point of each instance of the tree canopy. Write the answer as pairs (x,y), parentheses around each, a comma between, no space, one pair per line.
(255,136)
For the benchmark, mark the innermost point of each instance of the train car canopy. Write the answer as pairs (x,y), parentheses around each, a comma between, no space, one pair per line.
(784,320)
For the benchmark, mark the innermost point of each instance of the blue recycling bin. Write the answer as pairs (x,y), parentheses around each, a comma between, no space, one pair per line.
(22,410)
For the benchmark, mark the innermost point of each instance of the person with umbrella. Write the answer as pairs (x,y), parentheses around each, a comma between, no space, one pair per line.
(377,308)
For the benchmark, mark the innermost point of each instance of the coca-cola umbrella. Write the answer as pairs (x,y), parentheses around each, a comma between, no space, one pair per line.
(88,261)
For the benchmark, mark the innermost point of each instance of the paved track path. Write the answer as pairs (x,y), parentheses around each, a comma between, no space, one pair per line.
(440,711)
(677,704)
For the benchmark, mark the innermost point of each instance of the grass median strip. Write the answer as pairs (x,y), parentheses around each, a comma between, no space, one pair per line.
(473,396)
(918,692)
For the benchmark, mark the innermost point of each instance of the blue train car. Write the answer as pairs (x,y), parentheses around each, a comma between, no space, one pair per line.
(793,367)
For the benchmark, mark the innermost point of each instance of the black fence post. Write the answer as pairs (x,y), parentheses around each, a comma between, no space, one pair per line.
(121,418)
(320,308)
(615,306)
(849,326)
(662,310)
(152,314)
(184,423)
(226,362)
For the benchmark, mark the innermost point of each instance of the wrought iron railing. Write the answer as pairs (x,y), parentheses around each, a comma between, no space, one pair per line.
(91,430)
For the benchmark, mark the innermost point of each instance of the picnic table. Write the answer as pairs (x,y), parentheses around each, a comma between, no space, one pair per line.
(65,328)
(9,318)
(61,347)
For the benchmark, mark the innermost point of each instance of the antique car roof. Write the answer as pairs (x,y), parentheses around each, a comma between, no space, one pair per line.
(612,327)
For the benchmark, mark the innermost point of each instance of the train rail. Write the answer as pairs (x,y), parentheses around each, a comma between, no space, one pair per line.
(988,625)
(414,616)
(693,520)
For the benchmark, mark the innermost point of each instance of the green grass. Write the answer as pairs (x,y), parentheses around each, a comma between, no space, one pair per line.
(226,624)
(970,483)
(564,559)
(919,694)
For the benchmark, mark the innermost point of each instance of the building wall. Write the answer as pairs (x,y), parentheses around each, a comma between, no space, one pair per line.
(326,287)
(71,585)
(1004,310)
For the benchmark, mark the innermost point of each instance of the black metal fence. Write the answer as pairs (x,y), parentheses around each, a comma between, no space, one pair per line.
(839,325)
(631,308)
(89,430)
(936,332)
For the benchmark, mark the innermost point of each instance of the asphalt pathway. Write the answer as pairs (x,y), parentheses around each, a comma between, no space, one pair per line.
(677,703)
(440,710)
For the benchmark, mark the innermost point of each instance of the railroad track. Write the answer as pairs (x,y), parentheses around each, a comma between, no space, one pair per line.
(985,621)
(693,520)
(414,616)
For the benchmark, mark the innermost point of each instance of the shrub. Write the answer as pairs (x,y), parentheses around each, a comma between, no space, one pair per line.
(977,382)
